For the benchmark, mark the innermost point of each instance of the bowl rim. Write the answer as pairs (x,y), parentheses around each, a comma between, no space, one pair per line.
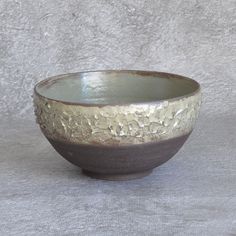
(144,73)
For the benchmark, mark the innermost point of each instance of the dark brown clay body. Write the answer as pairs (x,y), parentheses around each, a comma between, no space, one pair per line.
(119,163)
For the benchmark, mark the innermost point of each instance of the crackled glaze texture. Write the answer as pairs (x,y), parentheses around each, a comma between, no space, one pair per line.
(116,125)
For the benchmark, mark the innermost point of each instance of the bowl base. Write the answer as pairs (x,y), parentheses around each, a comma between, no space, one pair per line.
(117,177)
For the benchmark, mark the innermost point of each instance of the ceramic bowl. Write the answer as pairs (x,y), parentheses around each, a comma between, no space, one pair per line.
(117,125)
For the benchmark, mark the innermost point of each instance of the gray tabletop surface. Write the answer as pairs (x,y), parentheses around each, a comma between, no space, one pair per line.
(192,194)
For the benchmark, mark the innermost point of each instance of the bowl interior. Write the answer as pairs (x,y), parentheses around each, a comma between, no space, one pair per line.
(115,87)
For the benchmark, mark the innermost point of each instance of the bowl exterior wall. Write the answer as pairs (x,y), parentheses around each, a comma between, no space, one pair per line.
(118,139)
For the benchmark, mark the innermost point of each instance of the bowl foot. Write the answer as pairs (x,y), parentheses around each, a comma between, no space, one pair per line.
(116,177)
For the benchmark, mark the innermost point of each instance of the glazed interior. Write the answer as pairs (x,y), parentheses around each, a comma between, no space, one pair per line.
(116,87)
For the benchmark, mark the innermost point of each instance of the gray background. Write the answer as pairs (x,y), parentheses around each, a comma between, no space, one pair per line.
(194,193)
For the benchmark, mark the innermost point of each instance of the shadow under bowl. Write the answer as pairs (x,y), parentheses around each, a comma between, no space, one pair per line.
(117,125)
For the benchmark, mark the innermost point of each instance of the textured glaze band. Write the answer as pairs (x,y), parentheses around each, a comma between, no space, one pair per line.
(117,124)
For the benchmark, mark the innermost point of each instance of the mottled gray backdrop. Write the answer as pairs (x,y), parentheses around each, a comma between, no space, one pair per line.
(192,194)
(196,38)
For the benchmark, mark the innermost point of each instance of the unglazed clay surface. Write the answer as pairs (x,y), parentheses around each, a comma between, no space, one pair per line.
(117,125)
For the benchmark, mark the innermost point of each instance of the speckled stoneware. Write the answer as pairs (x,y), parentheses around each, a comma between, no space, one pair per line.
(117,124)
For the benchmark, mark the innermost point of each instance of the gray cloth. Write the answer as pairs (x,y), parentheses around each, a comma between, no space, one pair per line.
(192,194)
(48,37)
